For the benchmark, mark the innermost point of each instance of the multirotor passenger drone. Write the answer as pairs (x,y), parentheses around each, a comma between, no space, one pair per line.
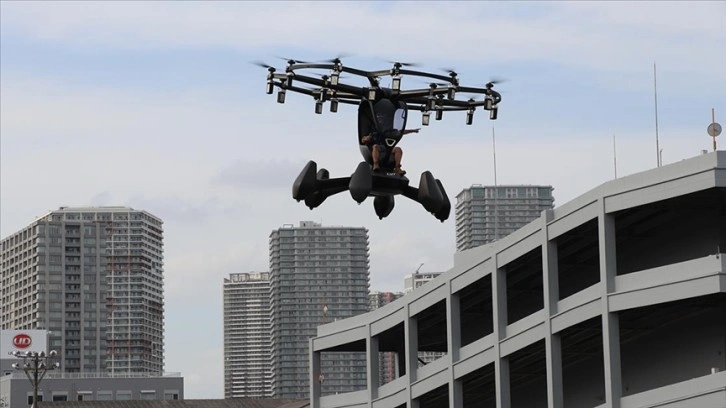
(380,152)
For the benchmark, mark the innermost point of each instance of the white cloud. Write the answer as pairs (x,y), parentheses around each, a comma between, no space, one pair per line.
(600,36)
(266,173)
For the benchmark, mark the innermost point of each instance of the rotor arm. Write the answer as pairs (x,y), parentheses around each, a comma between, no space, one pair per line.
(484,91)
(420,93)
(427,75)
(305,91)
(421,107)
(352,90)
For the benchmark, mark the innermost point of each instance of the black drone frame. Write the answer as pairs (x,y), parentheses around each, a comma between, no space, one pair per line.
(438,97)
(315,186)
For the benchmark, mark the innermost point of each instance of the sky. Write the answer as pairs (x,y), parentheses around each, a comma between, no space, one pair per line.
(156,106)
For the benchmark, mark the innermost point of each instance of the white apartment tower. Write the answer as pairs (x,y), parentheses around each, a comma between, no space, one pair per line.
(247,336)
(486,214)
(93,277)
(417,279)
(318,274)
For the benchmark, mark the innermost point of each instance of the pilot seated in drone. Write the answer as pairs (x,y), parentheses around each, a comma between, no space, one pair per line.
(380,152)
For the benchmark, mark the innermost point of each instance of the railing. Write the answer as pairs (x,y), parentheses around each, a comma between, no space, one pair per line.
(20,374)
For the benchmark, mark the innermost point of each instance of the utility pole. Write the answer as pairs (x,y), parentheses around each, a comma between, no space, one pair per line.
(35,366)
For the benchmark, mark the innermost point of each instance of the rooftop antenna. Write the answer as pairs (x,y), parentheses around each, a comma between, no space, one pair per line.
(418,269)
(655,91)
(714,129)
(496,190)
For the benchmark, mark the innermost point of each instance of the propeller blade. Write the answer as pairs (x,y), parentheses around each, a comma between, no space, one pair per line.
(406,64)
(497,80)
(337,58)
(261,64)
(291,60)
(449,70)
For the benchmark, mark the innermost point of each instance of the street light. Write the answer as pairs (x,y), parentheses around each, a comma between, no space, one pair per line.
(35,366)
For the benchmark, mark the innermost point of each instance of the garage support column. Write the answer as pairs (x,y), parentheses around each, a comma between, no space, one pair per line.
(553,345)
(453,333)
(610,321)
(410,328)
(501,365)
(372,368)
(315,372)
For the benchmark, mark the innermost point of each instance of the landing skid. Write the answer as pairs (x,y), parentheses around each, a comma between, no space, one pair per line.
(314,186)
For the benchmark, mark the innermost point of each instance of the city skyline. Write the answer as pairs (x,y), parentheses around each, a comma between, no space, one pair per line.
(156,106)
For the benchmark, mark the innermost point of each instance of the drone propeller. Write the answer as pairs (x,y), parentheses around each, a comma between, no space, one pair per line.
(262,64)
(450,71)
(405,64)
(291,60)
(270,68)
(337,58)
(496,80)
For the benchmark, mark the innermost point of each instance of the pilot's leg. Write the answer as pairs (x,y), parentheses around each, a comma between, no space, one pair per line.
(397,155)
(376,158)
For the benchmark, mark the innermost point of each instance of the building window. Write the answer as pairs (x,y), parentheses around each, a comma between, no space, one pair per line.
(85,396)
(148,395)
(123,395)
(171,395)
(105,396)
(60,396)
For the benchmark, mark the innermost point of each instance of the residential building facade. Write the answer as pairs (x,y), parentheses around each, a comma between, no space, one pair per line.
(486,214)
(247,335)
(318,274)
(92,277)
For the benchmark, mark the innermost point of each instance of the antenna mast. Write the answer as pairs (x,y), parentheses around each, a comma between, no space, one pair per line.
(655,92)
(496,190)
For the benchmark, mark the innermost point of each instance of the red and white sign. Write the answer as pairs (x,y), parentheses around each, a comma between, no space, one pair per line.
(22,340)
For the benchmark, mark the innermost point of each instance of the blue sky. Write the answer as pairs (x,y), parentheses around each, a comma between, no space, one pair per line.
(155,105)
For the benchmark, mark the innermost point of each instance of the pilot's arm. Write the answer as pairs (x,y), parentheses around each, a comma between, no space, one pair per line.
(366,139)
(407,131)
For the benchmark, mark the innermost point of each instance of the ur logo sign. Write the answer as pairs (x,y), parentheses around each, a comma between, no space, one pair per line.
(22,341)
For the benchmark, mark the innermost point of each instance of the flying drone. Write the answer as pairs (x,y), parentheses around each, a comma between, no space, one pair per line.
(382,115)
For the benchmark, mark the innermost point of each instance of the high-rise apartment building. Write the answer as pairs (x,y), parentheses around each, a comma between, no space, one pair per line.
(247,336)
(387,361)
(318,274)
(93,277)
(485,214)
